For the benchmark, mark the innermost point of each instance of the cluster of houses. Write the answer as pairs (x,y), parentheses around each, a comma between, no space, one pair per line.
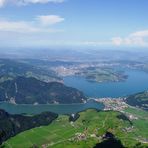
(116,104)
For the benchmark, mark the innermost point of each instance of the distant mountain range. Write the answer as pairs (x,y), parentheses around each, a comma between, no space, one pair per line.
(138,100)
(75,54)
(22,90)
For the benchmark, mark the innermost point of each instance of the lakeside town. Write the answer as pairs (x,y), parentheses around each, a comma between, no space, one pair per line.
(116,104)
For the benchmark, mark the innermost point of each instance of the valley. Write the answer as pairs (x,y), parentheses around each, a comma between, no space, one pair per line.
(93,104)
(73,74)
(86,131)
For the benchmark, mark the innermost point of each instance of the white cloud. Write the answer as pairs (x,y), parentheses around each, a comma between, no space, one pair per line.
(139,38)
(117,40)
(46,20)
(35,26)
(143,33)
(26,2)
(94,43)
(2,2)
(18,26)
(41,1)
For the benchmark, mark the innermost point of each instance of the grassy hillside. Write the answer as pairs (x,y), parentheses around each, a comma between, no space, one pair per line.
(140,100)
(10,125)
(86,131)
(24,90)
(141,123)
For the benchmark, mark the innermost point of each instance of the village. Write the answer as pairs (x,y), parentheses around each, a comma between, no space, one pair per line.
(116,104)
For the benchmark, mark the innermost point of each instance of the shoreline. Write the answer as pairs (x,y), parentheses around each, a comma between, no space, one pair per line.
(40,104)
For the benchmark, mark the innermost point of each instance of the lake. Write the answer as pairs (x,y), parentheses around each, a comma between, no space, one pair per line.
(137,81)
(60,108)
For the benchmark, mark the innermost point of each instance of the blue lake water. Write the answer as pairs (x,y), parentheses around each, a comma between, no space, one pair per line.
(137,81)
(60,109)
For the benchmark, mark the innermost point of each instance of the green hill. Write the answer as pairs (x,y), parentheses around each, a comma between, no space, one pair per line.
(91,129)
(22,90)
(140,100)
(10,125)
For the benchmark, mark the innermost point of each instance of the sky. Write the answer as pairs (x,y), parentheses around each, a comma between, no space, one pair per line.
(49,23)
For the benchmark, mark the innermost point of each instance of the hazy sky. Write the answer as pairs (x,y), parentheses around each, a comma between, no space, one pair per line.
(103,23)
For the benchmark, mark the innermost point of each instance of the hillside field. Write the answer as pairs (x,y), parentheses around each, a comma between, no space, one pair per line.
(86,131)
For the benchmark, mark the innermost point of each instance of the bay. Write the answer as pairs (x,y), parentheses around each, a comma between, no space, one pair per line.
(137,81)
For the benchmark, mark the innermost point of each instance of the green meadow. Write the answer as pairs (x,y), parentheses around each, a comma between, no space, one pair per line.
(91,123)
